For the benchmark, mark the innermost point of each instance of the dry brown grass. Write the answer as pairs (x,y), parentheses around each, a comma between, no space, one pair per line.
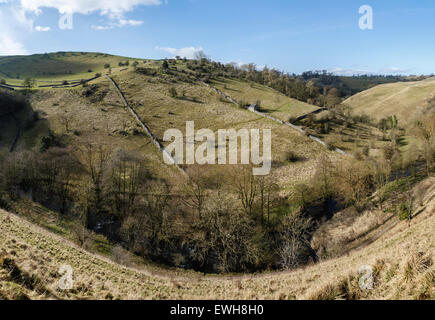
(403,99)
(401,258)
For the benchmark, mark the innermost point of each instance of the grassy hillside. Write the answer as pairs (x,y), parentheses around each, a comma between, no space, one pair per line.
(86,161)
(54,65)
(401,258)
(403,99)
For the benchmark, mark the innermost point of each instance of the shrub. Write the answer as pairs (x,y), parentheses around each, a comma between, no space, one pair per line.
(291,156)
(358,155)
(243,103)
(146,71)
(388,152)
(107,66)
(293,119)
(403,210)
(366,151)
(2,81)
(48,142)
(28,82)
(330,144)
(173,92)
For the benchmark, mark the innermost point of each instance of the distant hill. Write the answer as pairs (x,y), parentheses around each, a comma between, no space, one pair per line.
(63,65)
(402,99)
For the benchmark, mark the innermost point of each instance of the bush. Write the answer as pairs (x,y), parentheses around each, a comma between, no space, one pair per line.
(146,71)
(388,152)
(366,151)
(48,142)
(28,82)
(402,211)
(330,144)
(173,92)
(243,103)
(292,119)
(291,156)
(107,66)
(2,81)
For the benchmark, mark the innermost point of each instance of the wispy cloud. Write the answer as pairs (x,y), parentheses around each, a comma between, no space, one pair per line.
(187,52)
(114,8)
(10,46)
(42,29)
(349,72)
(12,25)
(395,70)
(358,71)
(119,24)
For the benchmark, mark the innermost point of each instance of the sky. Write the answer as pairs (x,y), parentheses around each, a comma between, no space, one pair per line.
(290,35)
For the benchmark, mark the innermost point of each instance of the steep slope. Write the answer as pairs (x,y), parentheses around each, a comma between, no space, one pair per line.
(401,259)
(403,99)
(196,102)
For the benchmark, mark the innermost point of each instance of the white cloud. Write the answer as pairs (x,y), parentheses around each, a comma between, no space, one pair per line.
(356,71)
(395,70)
(113,8)
(42,29)
(188,52)
(9,43)
(349,72)
(9,46)
(120,23)
(133,23)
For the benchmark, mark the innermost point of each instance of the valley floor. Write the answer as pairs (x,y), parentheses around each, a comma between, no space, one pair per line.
(401,259)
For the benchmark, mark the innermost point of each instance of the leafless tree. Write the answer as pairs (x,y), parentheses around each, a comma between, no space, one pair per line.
(294,240)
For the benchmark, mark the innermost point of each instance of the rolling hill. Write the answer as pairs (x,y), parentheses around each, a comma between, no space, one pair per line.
(56,66)
(403,99)
(101,116)
(38,238)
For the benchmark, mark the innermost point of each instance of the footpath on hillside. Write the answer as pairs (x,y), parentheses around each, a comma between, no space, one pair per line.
(254,109)
(146,128)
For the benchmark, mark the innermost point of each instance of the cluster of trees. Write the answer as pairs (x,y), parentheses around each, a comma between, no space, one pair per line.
(12,103)
(214,221)
(319,91)
(207,223)
(315,87)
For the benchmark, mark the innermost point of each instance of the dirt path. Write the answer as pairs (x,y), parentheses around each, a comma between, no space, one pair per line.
(144,126)
(253,109)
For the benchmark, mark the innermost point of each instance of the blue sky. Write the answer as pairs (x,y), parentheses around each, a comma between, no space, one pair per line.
(293,36)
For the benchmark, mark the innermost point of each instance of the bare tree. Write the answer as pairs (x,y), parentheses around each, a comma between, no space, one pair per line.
(246,187)
(196,193)
(268,190)
(354,182)
(96,159)
(65,119)
(294,239)
(127,177)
